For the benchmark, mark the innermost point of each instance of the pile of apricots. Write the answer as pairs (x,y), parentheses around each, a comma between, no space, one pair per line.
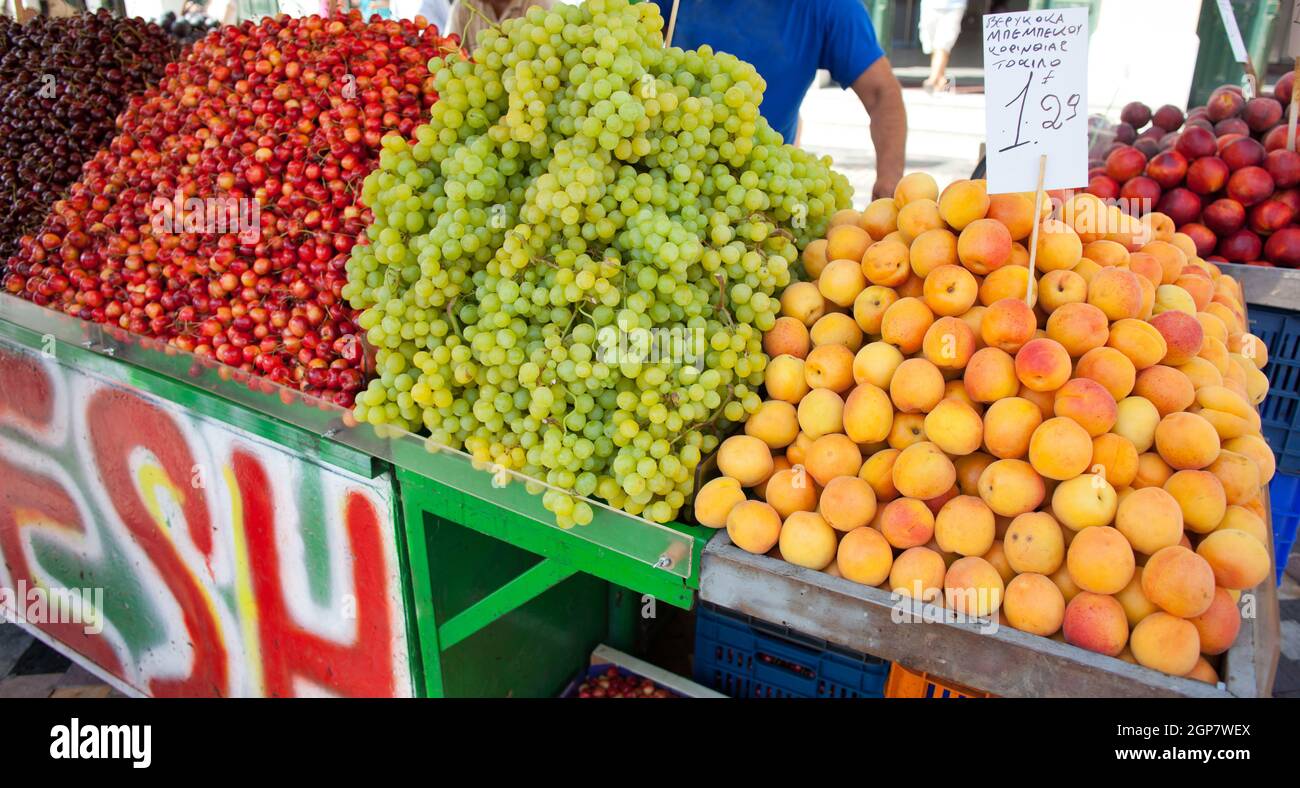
(1075,451)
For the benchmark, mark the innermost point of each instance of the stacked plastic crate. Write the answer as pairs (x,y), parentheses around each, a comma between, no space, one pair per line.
(1280,412)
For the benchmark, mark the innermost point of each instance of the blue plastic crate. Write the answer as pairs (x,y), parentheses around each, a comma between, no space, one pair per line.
(1280,412)
(1284,501)
(745,657)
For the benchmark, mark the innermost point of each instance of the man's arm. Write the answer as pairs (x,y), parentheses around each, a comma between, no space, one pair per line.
(882,97)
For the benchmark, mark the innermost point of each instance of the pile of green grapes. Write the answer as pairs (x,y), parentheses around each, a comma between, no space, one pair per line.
(570,268)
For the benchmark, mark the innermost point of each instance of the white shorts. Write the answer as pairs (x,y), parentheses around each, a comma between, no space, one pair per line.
(939,28)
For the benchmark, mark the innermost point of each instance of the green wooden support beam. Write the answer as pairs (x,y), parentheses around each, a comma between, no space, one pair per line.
(624,613)
(493,619)
(467,594)
(420,493)
(421,580)
(541,577)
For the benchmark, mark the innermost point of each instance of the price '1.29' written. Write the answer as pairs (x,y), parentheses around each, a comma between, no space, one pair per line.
(1052,110)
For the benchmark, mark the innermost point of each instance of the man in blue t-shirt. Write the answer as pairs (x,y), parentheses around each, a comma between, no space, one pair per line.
(787,41)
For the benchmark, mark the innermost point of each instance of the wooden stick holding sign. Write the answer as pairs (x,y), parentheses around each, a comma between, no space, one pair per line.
(1030,285)
(672,25)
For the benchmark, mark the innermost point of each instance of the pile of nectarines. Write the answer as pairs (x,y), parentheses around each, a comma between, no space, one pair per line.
(1087,466)
(1223,174)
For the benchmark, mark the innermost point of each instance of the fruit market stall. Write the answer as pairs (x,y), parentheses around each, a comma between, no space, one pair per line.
(346,364)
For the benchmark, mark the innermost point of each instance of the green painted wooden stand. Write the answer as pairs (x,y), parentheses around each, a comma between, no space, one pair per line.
(505,606)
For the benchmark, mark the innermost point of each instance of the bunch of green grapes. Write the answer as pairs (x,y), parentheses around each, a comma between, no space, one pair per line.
(571,267)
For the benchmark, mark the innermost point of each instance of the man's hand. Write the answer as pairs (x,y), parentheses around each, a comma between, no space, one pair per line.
(884,188)
(882,97)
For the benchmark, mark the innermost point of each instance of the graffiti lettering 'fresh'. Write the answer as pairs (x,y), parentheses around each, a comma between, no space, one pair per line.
(219,576)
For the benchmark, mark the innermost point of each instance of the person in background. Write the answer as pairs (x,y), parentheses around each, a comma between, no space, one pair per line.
(470,17)
(436,11)
(787,42)
(380,8)
(939,27)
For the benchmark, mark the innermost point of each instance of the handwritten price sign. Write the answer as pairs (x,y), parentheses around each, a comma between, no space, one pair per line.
(1036,94)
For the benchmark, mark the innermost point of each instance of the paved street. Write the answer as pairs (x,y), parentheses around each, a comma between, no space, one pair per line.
(30,669)
(944,137)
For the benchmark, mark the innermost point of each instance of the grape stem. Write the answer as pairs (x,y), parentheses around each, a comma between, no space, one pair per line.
(712,421)
(777,229)
(572,318)
(474,9)
(455,324)
(722,298)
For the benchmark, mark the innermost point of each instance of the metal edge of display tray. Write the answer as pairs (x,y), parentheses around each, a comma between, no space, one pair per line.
(1005,662)
(305,424)
(1266,285)
(607,655)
